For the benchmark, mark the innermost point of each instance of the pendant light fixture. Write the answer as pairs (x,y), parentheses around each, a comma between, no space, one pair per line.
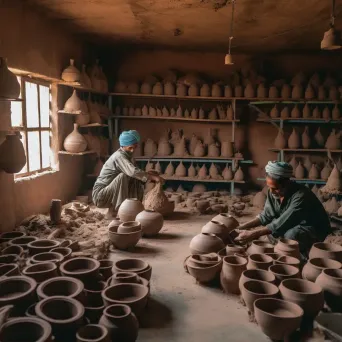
(332,38)
(228,60)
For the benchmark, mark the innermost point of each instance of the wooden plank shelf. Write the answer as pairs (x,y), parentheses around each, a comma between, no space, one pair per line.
(188,179)
(301,120)
(76,154)
(172,118)
(289,101)
(10,99)
(61,111)
(78,86)
(194,159)
(94,125)
(305,150)
(303,180)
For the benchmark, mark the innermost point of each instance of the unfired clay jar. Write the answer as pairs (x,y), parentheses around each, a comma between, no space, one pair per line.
(314,172)
(169,89)
(227,149)
(295,112)
(133,88)
(297,92)
(285,91)
(199,149)
(146,88)
(8,236)
(306,111)
(326,115)
(232,269)
(213,114)
(334,182)
(75,142)
(151,222)
(71,73)
(238,91)
(218,229)
(41,245)
(129,209)
(249,91)
(169,171)
(321,93)
(73,104)
(282,272)
(229,221)
(259,262)
(180,148)
(41,272)
(280,141)
(285,113)
(260,247)
(231,249)
(294,139)
(306,141)
(278,319)
(216,90)
(12,154)
(204,273)
(213,150)
(239,176)
(129,227)
(261,275)
(93,333)
(180,170)
(333,93)
(326,250)
(314,267)
(205,243)
(259,200)
(288,260)
(205,90)
(316,114)
(319,139)
(325,172)
(191,171)
(193,90)
(261,91)
(201,113)
(333,142)
(274,113)
(7,270)
(273,92)
(138,266)
(202,173)
(287,247)
(22,241)
(81,268)
(336,113)
(309,92)
(157,89)
(227,173)
(252,290)
(181,90)
(228,91)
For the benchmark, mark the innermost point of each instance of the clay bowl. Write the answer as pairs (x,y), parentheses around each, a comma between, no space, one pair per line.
(259,262)
(54,257)
(314,267)
(31,311)
(9,258)
(92,332)
(93,311)
(8,236)
(231,249)
(18,291)
(65,314)
(82,268)
(203,260)
(41,246)
(277,318)
(254,289)
(13,250)
(124,241)
(326,250)
(62,286)
(288,260)
(262,275)
(260,247)
(65,243)
(204,274)
(127,277)
(106,266)
(282,272)
(114,225)
(8,270)
(287,247)
(274,256)
(93,291)
(133,295)
(308,295)
(65,251)
(26,329)
(22,241)
(41,271)
(131,265)
(129,227)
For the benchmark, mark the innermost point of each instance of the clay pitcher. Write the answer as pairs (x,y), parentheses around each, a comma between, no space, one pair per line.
(334,182)
(295,112)
(306,111)
(306,141)
(294,139)
(12,154)
(203,173)
(75,141)
(336,113)
(319,139)
(191,171)
(186,113)
(280,141)
(199,150)
(232,268)
(180,170)
(227,149)
(299,172)
(274,112)
(227,173)
(239,176)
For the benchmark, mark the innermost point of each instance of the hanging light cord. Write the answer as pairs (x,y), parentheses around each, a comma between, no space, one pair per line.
(332,19)
(231,26)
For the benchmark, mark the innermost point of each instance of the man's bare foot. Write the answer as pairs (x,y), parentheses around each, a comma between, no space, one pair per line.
(111,214)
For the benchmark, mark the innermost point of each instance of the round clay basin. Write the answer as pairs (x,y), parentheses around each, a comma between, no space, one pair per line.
(204,274)
(41,246)
(259,261)
(260,247)
(13,250)
(9,270)
(283,271)
(314,267)
(129,227)
(47,257)
(22,241)
(9,258)
(65,251)
(277,318)
(8,236)
(326,250)
(124,241)
(256,275)
(41,271)
(130,265)
(81,268)
(26,329)
(288,260)
(199,260)
(133,295)
(92,332)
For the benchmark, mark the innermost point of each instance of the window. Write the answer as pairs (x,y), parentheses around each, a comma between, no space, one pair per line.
(31,118)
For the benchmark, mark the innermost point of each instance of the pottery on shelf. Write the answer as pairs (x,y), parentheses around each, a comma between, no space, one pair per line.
(287,247)
(309,92)
(297,92)
(157,89)
(274,113)
(319,139)
(261,91)
(334,182)
(71,73)
(273,92)
(280,141)
(9,84)
(129,209)
(326,250)
(259,261)
(306,140)
(41,272)
(193,90)
(333,142)
(285,113)
(285,91)
(231,249)
(84,78)
(260,247)
(12,154)
(227,149)
(277,318)
(227,173)
(216,90)
(232,268)
(81,268)
(295,112)
(255,274)
(282,272)
(314,267)
(150,148)
(180,170)
(75,142)
(206,243)
(181,90)
(336,113)
(314,172)
(300,171)
(239,176)
(73,104)
(205,90)
(294,139)
(140,267)
(151,222)
(169,171)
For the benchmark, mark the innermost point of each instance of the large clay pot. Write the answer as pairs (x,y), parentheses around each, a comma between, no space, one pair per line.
(326,250)
(7,270)
(193,90)
(280,141)
(206,243)
(75,142)
(41,272)
(261,275)
(232,268)
(326,115)
(129,209)
(93,333)
(41,245)
(254,289)
(120,322)
(182,90)
(82,268)
(229,221)
(12,154)
(71,73)
(259,262)
(151,222)
(278,319)
(314,267)
(218,229)
(204,273)
(8,236)
(282,272)
(287,247)
(330,281)
(260,247)
(140,267)
(63,313)
(74,104)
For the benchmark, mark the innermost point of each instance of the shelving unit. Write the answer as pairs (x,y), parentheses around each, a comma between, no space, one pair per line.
(76,154)
(303,181)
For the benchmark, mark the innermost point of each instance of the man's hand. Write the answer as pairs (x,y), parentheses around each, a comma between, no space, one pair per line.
(156,178)
(245,236)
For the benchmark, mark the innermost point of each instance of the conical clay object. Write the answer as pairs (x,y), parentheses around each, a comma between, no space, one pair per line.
(212,114)
(203,173)
(285,113)
(146,88)
(158,168)
(333,141)
(293,163)
(213,150)
(331,206)
(73,104)
(169,171)
(261,91)
(228,91)
(144,110)
(194,113)
(205,90)
(336,113)
(181,90)
(238,91)
(306,111)
(157,89)
(180,148)
(179,112)
(180,170)
(333,93)
(273,92)
(165,112)
(85,79)
(199,149)
(280,141)
(259,200)
(294,140)
(216,91)
(71,73)
(191,171)
(314,173)
(169,89)
(297,92)
(227,173)
(186,113)
(221,112)
(307,164)
(316,114)
(306,141)
(137,111)
(201,113)
(192,144)
(214,172)
(149,166)
(334,182)
(159,112)
(299,172)
(321,94)
(319,139)
(326,115)
(286,91)
(326,171)
(172,112)
(152,111)
(249,91)
(227,149)
(75,141)
(133,88)
(295,112)
(274,112)
(309,92)
(239,176)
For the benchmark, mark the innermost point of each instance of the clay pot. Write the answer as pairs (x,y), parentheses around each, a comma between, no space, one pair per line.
(9,84)
(164,148)
(252,290)
(151,222)
(216,91)
(314,172)
(294,139)
(204,273)
(232,269)
(274,113)
(62,286)
(24,329)
(146,88)
(93,290)
(180,170)
(129,209)
(316,114)
(199,188)
(169,89)
(309,92)
(8,236)
(287,247)
(273,92)
(127,278)
(193,90)
(22,241)
(260,247)
(280,141)
(285,91)
(285,113)
(9,258)
(306,141)
(321,94)
(239,176)
(333,142)
(261,275)
(278,319)
(182,90)
(282,272)
(169,171)
(218,229)
(326,115)
(199,149)
(288,260)
(326,250)
(227,173)
(261,91)
(336,113)
(157,89)
(41,245)
(333,93)
(227,149)
(81,268)
(206,243)
(7,270)
(41,272)
(129,227)
(120,322)
(249,91)
(140,267)
(180,148)
(205,90)
(191,171)
(229,221)
(334,182)
(230,113)
(150,148)
(73,104)
(12,154)
(203,173)
(314,267)
(65,315)
(84,78)
(300,171)
(213,150)
(93,333)
(75,142)
(238,91)
(231,249)
(133,295)
(18,291)
(297,92)
(228,91)
(259,262)
(47,257)
(319,139)
(65,251)
(309,296)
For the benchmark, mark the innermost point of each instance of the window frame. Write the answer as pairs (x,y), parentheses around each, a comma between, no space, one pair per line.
(24,129)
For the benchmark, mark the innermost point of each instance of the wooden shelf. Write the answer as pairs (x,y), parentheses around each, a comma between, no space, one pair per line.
(195,159)
(172,118)
(69,113)
(76,154)
(94,125)
(289,101)
(188,179)
(301,120)
(78,86)
(10,99)
(308,150)
(303,180)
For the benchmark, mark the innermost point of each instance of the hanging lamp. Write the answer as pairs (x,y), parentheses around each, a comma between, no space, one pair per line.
(332,38)
(228,60)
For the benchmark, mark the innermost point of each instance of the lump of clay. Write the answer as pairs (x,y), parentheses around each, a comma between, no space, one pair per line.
(170,170)
(227,173)
(157,89)
(191,171)
(295,112)
(280,141)
(216,91)
(214,172)
(158,168)
(150,148)
(299,172)
(180,170)
(319,139)
(156,200)
(239,176)
(333,141)
(306,140)
(205,90)
(259,200)
(294,139)
(203,173)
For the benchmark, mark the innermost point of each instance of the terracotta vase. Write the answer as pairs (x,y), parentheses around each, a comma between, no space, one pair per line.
(75,142)
(287,247)
(285,91)
(314,267)
(297,92)
(150,148)
(151,222)
(232,269)
(334,182)
(295,112)
(274,113)
(306,111)
(84,78)
(259,200)
(227,149)
(205,243)
(73,104)
(170,170)
(249,91)
(262,91)
(214,172)
(71,73)
(203,172)
(260,247)
(294,139)
(191,171)
(280,141)
(285,113)
(216,90)
(326,250)
(181,90)
(228,91)
(255,289)
(333,142)
(314,172)
(336,113)
(157,89)
(180,170)
(129,209)
(309,92)
(316,114)
(239,176)
(278,319)
(9,84)
(227,173)
(238,91)
(12,154)
(260,275)
(283,272)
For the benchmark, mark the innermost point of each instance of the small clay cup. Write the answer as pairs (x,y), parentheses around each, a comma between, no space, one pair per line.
(82,268)
(288,260)
(283,271)
(8,270)
(65,251)
(259,261)
(8,236)
(41,271)
(22,241)
(9,258)
(314,267)
(106,266)
(92,333)
(255,274)
(41,246)
(54,257)
(129,227)
(13,250)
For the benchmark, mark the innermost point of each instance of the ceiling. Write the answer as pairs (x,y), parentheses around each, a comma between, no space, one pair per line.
(259,25)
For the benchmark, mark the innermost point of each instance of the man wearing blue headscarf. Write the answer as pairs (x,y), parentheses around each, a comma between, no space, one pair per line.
(291,211)
(119,178)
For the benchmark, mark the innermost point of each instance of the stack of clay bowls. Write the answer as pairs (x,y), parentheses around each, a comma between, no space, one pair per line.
(124,235)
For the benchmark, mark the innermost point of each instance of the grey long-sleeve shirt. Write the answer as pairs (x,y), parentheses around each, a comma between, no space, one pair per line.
(300,207)
(119,162)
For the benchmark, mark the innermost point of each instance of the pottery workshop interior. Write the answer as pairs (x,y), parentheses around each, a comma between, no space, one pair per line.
(170,170)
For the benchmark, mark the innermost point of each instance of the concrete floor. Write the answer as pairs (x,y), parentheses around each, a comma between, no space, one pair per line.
(179,309)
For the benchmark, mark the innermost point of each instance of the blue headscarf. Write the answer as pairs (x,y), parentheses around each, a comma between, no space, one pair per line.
(278,170)
(128,138)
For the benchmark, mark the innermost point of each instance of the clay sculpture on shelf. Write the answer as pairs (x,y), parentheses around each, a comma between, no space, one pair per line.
(9,84)
(73,104)
(326,171)
(216,90)
(238,91)
(280,141)
(164,148)
(169,89)
(12,154)
(333,142)
(75,141)
(203,173)
(319,139)
(309,92)
(334,182)
(333,93)
(249,91)
(227,173)
(193,90)
(213,150)
(180,170)
(306,141)
(169,171)
(192,144)
(285,113)
(227,149)
(336,113)
(331,206)
(230,113)
(228,91)
(133,88)
(326,114)
(286,91)
(261,91)
(321,93)
(297,92)
(71,73)
(194,113)
(306,111)
(201,114)
(295,112)
(273,92)
(191,171)
(307,164)
(239,176)
(157,89)
(294,139)
(150,148)
(214,172)
(316,114)
(205,90)
(181,89)
(274,113)
(314,172)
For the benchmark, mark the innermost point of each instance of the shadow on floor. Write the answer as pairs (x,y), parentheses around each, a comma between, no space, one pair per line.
(144,250)
(177,216)
(156,315)
(166,236)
